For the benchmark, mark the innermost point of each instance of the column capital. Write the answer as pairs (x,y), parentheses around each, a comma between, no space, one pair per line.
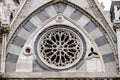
(4,30)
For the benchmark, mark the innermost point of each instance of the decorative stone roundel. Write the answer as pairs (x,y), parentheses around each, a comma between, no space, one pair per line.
(59,47)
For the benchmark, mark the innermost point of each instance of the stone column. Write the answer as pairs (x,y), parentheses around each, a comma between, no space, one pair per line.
(5,31)
(5,21)
(117,29)
(117,12)
(118,45)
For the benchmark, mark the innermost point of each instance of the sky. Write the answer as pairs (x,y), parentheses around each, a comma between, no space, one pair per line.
(106,3)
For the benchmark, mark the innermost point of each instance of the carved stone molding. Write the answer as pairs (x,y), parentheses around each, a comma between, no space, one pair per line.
(100,15)
(108,32)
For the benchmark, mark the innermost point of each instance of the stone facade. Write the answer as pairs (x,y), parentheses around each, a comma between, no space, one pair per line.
(58,39)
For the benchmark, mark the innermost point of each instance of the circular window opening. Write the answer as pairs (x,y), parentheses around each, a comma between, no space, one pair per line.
(59,47)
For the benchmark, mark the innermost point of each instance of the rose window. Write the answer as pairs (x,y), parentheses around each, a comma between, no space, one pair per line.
(60,48)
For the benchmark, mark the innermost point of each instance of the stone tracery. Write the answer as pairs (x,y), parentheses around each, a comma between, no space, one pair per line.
(60,47)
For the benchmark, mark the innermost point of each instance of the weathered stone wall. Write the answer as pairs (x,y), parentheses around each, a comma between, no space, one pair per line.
(77,14)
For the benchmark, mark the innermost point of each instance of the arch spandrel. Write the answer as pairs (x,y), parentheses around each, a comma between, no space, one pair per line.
(94,34)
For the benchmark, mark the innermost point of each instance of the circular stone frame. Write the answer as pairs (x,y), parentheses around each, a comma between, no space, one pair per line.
(36,44)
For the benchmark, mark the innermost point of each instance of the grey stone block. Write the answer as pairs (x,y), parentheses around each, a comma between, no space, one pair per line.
(18,41)
(76,15)
(13,49)
(105,49)
(111,67)
(24,34)
(12,58)
(10,67)
(90,27)
(30,27)
(108,57)
(60,7)
(43,15)
(96,33)
(36,67)
(101,41)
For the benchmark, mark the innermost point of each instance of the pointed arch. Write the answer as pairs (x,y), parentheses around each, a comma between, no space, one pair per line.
(27,27)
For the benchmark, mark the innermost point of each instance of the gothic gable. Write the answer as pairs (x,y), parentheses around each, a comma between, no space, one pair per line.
(59,36)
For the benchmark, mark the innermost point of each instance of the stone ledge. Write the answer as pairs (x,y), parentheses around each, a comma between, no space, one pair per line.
(56,75)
